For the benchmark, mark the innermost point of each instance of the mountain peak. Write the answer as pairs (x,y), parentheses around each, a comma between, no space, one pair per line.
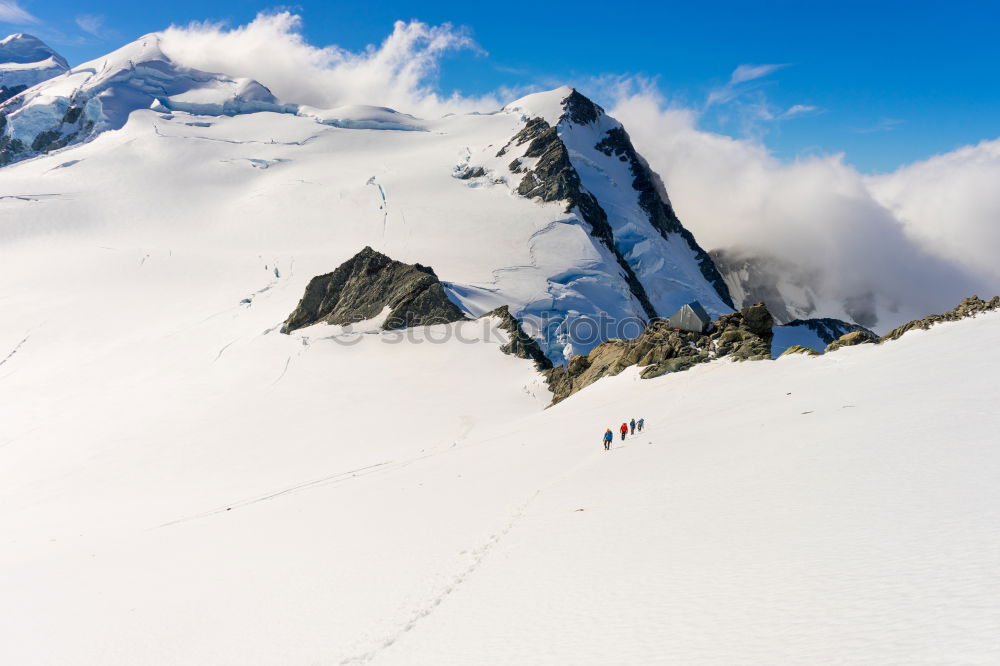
(580,109)
(555,105)
(548,104)
(24,49)
(26,61)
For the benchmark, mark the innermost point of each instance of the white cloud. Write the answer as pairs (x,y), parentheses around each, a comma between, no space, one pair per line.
(951,203)
(12,12)
(914,242)
(798,110)
(745,73)
(737,80)
(400,73)
(93,24)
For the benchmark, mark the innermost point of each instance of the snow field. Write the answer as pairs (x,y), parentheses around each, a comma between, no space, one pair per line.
(413,503)
(182,484)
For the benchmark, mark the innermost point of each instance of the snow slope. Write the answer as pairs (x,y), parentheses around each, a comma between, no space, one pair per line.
(26,60)
(200,170)
(176,495)
(182,484)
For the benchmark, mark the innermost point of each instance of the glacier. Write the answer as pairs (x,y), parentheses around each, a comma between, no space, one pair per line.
(180,483)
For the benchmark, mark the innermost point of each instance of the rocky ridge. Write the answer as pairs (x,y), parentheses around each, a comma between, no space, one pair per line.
(553,177)
(969,307)
(744,335)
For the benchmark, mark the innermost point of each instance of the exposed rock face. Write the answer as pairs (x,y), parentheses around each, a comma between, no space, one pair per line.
(555,179)
(798,349)
(7,92)
(654,201)
(969,307)
(521,344)
(851,339)
(744,336)
(550,174)
(363,286)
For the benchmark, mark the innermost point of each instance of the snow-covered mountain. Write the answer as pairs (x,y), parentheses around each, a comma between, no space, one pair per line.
(543,205)
(181,482)
(25,61)
(99,95)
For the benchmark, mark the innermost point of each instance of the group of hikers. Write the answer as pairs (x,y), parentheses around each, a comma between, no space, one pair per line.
(631,427)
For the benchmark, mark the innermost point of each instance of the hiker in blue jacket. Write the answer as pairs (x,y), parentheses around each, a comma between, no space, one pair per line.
(640,423)
(631,425)
(608,436)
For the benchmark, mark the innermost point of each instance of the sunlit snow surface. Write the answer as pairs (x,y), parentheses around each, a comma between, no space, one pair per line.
(176,490)
(182,484)
(315,188)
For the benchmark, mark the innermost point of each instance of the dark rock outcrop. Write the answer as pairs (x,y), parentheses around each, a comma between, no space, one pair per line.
(6,93)
(861,337)
(364,285)
(520,344)
(580,109)
(469,172)
(744,336)
(969,307)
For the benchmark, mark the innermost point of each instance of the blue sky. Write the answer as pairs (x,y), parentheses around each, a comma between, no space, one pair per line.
(886,83)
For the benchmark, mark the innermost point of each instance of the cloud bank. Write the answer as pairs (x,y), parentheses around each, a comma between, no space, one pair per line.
(400,73)
(909,243)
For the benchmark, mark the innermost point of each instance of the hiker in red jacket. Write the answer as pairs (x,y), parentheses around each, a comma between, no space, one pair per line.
(624,430)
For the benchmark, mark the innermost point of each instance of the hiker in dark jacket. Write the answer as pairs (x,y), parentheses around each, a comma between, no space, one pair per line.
(631,425)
